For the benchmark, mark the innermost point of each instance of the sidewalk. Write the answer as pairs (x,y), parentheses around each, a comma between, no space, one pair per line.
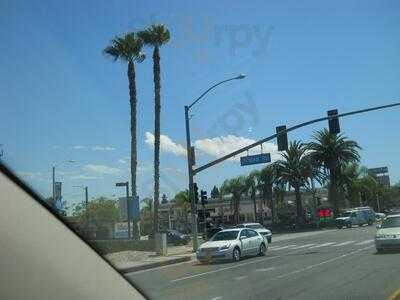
(132,261)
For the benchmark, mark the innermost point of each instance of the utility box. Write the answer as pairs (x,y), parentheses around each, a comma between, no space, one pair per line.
(160,243)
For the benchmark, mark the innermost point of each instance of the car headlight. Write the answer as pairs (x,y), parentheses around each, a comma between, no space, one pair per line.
(225,247)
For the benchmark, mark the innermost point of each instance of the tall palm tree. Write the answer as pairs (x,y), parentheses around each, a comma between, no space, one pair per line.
(332,151)
(267,177)
(156,36)
(251,189)
(236,187)
(128,49)
(293,169)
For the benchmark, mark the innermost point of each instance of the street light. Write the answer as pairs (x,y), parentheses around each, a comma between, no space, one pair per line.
(54,175)
(128,206)
(191,162)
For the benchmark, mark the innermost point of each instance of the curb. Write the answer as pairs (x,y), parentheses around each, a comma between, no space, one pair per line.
(155,264)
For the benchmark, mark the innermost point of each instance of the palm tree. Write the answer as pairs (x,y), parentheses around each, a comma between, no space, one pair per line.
(267,177)
(156,36)
(128,49)
(251,189)
(181,201)
(293,169)
(236,187)
(331,151)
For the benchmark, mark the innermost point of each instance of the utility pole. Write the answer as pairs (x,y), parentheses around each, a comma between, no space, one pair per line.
(87,206)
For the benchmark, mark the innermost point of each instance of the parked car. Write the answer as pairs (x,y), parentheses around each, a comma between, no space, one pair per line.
(177,238)
(260,229)
(369,214)
(388,234)
(351,218)
(232,244)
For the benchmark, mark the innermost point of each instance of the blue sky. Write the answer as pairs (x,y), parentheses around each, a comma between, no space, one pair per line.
(62,99)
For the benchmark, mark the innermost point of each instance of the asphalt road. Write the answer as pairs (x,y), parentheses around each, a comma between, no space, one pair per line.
(335,264)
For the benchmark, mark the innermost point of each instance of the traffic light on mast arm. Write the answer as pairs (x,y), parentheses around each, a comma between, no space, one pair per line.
(334,126)
(282,138)
(203,197)
(196,193)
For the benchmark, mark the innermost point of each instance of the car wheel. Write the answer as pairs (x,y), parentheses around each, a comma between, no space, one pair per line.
(339,227)
(269,239)
(370,223)
(348,225)
(379,250)
(236,254)
(262,250)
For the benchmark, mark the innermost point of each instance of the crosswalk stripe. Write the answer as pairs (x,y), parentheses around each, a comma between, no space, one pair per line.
(322,245)
(344,243)
(302,246)
(364,242)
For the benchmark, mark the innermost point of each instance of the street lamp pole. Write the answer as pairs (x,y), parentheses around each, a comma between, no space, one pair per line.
(191,162)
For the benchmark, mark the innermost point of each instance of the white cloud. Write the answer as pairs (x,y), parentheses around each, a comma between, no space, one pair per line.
(102,148)
(101,169)
(122,161)
(166,144)
(220,146)
(29,175)
(78,147)
(83,177)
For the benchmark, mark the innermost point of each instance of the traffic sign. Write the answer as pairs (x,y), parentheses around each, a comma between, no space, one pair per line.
(255,159)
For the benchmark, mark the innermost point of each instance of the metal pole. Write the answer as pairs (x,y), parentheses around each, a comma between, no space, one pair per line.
(54,187)
(190,173)
(377,202)
(87,206)
(128,208)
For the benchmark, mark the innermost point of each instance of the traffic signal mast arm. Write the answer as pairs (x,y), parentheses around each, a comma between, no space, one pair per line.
(234,153)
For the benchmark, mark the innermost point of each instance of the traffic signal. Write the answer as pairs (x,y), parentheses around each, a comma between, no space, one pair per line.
(196,193)
(334,126)
(282,138)
(203,197)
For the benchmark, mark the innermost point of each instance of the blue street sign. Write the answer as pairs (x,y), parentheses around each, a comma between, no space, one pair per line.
(135,210)
(255,159)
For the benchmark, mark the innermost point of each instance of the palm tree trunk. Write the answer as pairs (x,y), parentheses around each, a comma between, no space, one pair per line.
(253,196)
(133,105)
(332,192)
(157,111)
(299,206)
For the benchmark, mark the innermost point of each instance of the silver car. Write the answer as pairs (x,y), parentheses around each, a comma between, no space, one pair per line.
(260,229)
(232,244)
(388,234)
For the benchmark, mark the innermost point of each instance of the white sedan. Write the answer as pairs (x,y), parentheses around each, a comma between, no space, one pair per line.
(232,244)
(260,229)
(388,233)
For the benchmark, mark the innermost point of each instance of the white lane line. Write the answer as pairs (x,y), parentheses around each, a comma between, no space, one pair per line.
(264,270)
(344,243)
(364,242)
(322,263)
(280,248)
(302,246)
(240,277)
(322,245)
(217,298)
(223,269)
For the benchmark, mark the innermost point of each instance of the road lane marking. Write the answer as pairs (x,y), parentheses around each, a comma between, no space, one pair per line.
(321,263)
(217,298)
(322,245)
(280,248)
(364,242)
(264,270)
(223,269)
(302,246)
(240,277)
(344,243)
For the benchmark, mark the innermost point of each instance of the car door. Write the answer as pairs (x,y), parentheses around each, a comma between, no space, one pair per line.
(254,240)
(245,241)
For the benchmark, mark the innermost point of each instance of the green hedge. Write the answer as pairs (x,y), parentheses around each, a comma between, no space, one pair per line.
(110,246)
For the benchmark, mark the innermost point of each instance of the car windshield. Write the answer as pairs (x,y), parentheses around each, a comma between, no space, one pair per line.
(152,127)
(391,222)
(255,226)
(225,235)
